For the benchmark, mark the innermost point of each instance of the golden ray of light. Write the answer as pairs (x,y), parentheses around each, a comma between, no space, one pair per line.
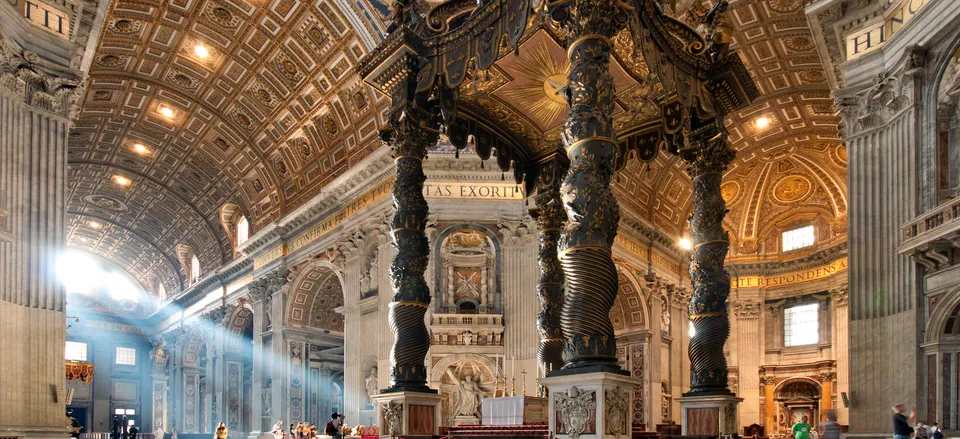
(531,71)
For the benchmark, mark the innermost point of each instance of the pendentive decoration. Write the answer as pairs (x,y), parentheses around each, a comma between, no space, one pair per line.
(592,211)
(551,217)
(708,156)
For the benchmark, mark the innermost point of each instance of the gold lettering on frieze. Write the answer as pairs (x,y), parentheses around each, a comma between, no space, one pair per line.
(657,257)
(479,191)
(269,256)
(48,17)
(835,267)
(875,35)
(356,205)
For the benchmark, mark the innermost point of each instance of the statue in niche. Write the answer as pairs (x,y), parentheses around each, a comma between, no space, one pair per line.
(467,338)
(265,396)
(372,383)
(266,315)
(665,316)
(466,382)
(467,399)
(370,277)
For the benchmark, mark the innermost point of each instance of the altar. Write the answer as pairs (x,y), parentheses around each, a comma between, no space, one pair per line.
(514,410)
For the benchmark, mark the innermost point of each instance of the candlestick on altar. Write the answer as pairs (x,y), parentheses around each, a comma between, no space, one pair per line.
(513,386)
(523,382)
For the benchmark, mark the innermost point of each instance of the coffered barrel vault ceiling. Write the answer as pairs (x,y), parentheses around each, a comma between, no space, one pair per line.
(271,109)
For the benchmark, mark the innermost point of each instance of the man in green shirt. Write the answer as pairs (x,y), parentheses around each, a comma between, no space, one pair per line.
(801,430)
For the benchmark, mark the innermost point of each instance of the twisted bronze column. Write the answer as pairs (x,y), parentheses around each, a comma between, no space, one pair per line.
(592,210)
(550,219)
(708,156)
(409,133)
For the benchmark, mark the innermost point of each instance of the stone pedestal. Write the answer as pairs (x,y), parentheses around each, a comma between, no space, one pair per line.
(514,410)
(595,405)
(465,420)
(709,415)
(408,414)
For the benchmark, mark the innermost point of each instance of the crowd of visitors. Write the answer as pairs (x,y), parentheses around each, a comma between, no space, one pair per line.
(304,430)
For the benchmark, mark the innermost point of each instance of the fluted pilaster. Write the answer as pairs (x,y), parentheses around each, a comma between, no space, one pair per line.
(34,122)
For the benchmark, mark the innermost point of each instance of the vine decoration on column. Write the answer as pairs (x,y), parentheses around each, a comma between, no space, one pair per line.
(550,216)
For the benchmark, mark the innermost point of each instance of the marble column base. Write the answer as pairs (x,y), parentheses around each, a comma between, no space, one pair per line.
(597,405)
(709,415)
(408,414)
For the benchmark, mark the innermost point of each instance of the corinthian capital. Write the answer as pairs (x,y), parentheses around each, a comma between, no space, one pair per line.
(37,82)
(748,309)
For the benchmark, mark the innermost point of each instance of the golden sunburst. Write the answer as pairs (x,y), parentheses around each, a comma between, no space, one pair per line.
(537,90)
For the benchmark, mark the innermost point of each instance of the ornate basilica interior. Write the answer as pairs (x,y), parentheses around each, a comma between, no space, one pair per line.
(646,217)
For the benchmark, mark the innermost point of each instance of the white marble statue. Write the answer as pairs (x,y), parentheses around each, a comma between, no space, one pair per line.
(467,399)
(372,383)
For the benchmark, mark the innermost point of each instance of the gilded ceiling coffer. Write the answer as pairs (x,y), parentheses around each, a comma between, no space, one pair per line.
(550,217)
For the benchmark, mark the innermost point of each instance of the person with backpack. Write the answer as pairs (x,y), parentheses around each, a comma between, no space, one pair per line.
(936,432)
(331,428)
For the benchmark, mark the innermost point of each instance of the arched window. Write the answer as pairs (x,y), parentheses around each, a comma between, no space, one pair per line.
(194,270)
(243,230)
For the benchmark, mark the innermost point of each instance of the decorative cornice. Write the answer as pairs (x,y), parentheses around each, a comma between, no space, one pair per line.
(365,175)
(813,260)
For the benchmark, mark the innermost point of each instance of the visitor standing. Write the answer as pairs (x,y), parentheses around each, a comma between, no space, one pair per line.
(221,432)
(831,429)
(133,431)
(901,423)
(935,431)
(158,433)
(278,429)
(921,431)
(801,430)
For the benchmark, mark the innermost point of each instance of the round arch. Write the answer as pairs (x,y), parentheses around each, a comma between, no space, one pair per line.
(937,324)
(193,347)
(438,370)
(630,311)
(314,295)
(238,323)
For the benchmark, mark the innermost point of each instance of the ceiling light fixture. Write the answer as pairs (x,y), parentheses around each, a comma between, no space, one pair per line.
(685,243)
(762,122)
(167,112)
(94,225)
(201,51)
(140,149)
(121,180)
(82,239)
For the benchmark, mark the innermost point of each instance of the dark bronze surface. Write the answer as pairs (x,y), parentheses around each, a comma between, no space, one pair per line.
(550,219)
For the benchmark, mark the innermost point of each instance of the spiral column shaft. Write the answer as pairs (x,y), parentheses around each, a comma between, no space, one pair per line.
(592,210)
(711,282)
(550,219)
(409,138)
